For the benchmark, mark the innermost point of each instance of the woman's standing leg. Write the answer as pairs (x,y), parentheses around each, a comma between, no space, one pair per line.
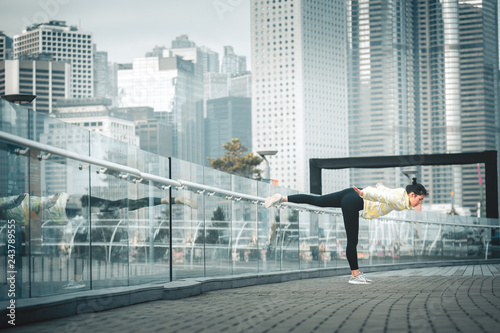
(350,203)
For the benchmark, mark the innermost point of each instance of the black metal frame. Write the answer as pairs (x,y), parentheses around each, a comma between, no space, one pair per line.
(489,158)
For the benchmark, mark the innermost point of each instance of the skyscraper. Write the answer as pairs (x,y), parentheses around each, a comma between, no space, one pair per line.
(382,106)
(63,43)
(241,85)
(232,63)
(171,88)
(299,101)
(101,74)
(424,79)
(5,47)
(459,110)
(227,118)
(204,59)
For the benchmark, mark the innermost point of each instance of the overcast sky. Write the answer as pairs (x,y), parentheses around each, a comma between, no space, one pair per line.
(127,29)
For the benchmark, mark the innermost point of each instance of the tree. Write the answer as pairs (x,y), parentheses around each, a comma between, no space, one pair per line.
(219,228)
(236,162)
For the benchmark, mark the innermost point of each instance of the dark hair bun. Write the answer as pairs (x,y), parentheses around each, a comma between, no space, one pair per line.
(416,188)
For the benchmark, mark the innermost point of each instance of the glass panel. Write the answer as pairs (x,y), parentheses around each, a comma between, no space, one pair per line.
(288,222)
(404,248)
(149,222)
(341,242)
(269,241)
(308,235)
(477,240)
(366,248)
(218,254)
(14,119)
(245,251)
(188,224)
(494,248)
(59,230)
(109,203)
(14,224)
(327,241)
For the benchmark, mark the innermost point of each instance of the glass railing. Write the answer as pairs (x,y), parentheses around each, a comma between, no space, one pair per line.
(80,211)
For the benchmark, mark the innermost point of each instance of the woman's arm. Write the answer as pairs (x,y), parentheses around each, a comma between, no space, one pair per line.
(385,195)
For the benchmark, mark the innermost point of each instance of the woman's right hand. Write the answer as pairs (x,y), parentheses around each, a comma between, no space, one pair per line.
(358,191)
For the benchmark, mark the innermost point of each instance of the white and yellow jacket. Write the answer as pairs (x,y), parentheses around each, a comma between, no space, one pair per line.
(23,207)
(381,200)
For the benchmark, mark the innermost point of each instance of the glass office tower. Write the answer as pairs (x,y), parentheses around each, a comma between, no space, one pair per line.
(458,68)
(382,90)
(423,78)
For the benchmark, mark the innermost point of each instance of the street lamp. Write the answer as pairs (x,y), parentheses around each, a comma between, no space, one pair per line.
(263,154)
(410,174)
(19,98)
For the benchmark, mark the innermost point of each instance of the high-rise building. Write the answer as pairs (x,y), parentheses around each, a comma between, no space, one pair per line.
(299,85)
(94,114)
(216,85)
(382,82)
(233,64)
(171,88)
(155,135)
(227,118)
(101,74)
(423,78)
(48,80)
(5,47)
(241,85)
(459,92)
(204,59)
(63,43)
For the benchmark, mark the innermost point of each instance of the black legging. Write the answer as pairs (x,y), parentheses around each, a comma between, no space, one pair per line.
(350,203)
(131,204)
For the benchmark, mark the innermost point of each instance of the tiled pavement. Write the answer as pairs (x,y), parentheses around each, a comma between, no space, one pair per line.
(437,299)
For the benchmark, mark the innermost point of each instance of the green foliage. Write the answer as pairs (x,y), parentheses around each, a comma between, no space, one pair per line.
(236,162)
(219,214)
(217,228)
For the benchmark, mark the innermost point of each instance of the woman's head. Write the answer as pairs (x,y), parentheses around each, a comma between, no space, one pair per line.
(416,193)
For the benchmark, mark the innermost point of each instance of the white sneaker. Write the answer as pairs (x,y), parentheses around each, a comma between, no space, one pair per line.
(273,201)
(360,279)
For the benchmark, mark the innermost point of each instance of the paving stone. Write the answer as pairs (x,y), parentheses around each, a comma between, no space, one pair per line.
(411,300)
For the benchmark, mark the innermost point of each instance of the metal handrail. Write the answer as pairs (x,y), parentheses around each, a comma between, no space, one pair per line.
(143,175)
(230,195)
(86,159)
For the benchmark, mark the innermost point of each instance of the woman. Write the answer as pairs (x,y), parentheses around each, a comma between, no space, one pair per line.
(372,201)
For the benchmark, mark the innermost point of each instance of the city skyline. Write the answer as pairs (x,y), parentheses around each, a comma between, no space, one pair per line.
(228,23)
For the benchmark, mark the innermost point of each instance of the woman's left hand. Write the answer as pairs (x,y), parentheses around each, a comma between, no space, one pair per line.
(358,191)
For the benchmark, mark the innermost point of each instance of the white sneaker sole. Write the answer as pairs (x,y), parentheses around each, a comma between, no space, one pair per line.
(359,282)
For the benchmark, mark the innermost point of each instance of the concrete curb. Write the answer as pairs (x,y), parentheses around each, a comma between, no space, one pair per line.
(52,307)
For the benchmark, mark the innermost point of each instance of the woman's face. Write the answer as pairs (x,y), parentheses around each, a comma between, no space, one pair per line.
(416,200)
